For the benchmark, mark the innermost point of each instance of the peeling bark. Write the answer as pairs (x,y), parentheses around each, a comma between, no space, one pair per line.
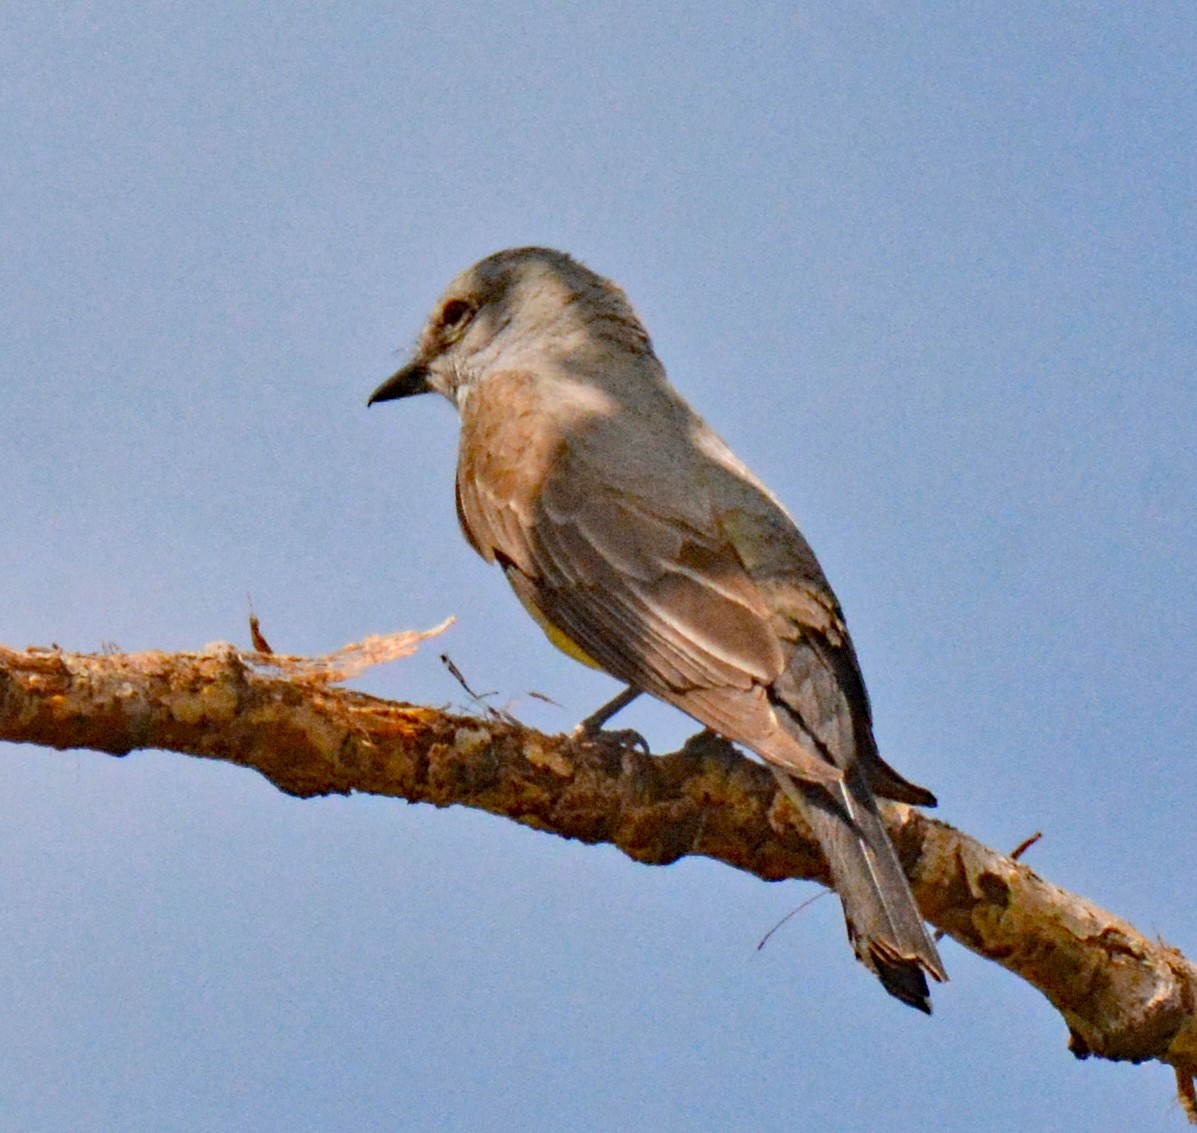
(1123,997)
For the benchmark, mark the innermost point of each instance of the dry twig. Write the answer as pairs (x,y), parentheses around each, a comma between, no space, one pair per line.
(1122,995)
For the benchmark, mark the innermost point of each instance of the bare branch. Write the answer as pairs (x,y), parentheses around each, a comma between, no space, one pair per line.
(1122,996)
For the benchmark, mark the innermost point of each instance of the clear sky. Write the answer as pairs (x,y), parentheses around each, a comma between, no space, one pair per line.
(930,268)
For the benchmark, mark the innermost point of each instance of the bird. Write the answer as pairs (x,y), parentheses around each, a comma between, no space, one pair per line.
(644,547)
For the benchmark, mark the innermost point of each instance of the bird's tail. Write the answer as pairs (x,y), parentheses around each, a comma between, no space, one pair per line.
(884,923)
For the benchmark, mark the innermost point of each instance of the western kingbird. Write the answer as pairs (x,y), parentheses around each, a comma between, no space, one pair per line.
(643,546)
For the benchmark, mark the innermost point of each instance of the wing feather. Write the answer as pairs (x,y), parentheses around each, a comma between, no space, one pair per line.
(655,592)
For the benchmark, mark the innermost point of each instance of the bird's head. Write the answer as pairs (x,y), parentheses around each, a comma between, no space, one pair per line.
(507,312)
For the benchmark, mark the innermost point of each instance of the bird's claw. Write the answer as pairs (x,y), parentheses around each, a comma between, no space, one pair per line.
(612,737)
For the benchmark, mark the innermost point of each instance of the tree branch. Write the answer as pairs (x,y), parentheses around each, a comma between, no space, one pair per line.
(1122,996)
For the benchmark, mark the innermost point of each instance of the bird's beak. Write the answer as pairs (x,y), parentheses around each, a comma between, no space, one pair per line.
(412,379)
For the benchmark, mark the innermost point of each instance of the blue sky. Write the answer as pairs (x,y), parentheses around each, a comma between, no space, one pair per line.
(931,269)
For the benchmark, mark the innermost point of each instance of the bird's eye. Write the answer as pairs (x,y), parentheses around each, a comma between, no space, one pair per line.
(454,313)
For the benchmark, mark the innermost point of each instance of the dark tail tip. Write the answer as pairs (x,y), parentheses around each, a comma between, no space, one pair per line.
(904,980)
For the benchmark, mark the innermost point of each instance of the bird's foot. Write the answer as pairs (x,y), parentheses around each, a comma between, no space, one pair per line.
(707,742)
(592,727)
(611,737)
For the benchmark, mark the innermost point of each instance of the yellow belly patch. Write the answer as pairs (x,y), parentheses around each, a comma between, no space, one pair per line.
(559,639)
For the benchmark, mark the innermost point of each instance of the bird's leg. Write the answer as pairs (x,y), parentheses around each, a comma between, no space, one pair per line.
(595,721)
(592,727)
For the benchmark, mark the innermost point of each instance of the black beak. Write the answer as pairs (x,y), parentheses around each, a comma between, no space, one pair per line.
(409,381)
